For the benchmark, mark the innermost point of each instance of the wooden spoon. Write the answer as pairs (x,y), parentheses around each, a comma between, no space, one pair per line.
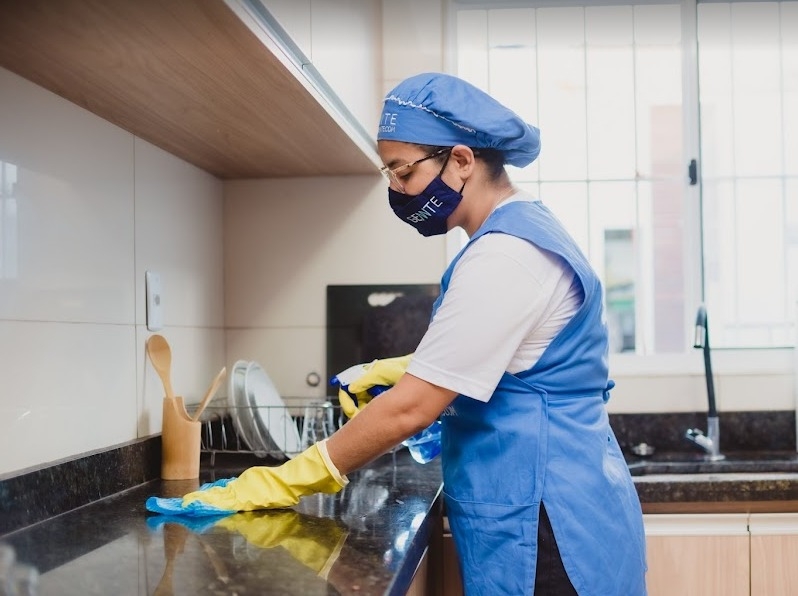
(211,392)
(161,357)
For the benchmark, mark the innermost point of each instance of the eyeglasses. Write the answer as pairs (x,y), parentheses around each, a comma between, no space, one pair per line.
(393,174)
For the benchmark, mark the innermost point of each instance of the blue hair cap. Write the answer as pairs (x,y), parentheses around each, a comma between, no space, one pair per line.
(443,110)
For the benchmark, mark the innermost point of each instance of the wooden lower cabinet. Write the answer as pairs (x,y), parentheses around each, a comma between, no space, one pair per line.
(702,554)
(419,585)
(452,581)
(774,554)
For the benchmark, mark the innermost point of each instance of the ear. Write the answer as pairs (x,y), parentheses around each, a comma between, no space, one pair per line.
(463,157)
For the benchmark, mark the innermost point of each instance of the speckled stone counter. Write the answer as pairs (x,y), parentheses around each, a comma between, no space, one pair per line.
(745,482)
(759,474)
(30,496)
(368,539)
(86,532)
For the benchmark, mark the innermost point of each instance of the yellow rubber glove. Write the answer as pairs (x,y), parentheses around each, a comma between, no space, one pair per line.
(314,542)
(384,372)
(264,487)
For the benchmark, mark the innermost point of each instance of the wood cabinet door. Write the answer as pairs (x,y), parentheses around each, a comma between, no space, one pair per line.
(697,554)
(418,587)
(774,554)
(452,581)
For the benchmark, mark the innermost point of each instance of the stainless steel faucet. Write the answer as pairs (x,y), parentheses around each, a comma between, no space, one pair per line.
(709,442)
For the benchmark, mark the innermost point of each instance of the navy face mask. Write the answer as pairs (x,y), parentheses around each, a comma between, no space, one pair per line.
(427,212)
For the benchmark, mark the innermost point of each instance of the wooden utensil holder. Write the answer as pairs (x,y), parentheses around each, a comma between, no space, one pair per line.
(180,442)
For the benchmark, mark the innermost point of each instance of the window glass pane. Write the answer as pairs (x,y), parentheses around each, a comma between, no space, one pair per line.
(791,200)
(748,80)
(658,91)
(620,276)
(472,46)
(760,254)
(746,273)
(715,71)
(513,68)
(756,79)
(8,221)
(740,81)
(568,201)
(789,40)
(662,242)
(613,230)
(610,93)
(561,88)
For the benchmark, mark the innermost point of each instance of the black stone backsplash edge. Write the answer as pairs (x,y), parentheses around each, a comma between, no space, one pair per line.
(36,494)
(770,430)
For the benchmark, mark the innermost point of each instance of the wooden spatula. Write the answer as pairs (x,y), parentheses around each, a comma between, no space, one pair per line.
(211,392)
(161,357)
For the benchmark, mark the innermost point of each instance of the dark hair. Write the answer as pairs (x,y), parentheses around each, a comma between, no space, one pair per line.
(493,158)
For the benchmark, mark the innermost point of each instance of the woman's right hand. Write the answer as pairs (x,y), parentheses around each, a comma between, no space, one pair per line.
(380,374)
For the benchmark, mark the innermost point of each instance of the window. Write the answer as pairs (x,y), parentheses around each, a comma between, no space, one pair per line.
(748,74)
(613,89)
(8,220)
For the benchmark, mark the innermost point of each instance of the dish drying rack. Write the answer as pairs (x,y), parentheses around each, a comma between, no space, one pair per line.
(222,433)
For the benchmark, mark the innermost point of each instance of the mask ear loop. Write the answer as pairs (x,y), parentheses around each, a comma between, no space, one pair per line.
(443,167)
(445,162)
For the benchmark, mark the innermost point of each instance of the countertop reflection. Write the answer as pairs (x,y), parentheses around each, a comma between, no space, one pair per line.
(368,539)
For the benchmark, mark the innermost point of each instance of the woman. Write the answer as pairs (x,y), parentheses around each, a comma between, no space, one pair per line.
(514,363)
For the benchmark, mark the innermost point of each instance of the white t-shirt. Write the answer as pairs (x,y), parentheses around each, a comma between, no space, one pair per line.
(506,300)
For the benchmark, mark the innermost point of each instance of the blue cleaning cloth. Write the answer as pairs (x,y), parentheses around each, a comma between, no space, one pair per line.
(197,525)
(174,505)
(442,110)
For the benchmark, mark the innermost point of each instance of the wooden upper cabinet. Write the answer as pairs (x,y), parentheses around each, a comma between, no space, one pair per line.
(202,79)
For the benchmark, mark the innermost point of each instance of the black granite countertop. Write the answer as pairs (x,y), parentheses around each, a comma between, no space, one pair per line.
(368,539)
(743,481)
(85,532)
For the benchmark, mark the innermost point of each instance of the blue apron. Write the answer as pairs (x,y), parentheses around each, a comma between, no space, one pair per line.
(543,436)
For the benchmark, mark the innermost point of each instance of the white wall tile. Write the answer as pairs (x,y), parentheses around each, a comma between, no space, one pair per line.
(652,393)
(754,392)
(179,231)
(287,239)
(66,389)
(287,355)
(687,392)
(68,251)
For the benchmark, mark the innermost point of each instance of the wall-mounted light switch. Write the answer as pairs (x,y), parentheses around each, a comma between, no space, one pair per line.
(152,284)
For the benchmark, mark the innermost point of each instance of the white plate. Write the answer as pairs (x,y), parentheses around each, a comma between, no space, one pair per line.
(241,410)
(273,420)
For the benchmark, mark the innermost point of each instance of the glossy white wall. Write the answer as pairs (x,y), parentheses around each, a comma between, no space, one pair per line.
(85,209)
(413,39)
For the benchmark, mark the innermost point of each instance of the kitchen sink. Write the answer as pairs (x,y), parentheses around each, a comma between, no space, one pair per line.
(745,462)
